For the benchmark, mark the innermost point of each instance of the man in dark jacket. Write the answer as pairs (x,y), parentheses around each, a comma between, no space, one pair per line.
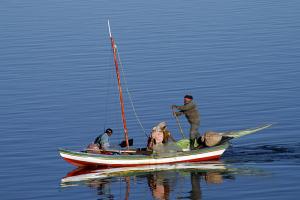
(189,109)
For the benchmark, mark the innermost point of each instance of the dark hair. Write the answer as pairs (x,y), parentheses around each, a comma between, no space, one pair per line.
(188,96)
(109,130)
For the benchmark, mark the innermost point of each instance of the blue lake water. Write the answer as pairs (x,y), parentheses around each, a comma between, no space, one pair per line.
(239,59)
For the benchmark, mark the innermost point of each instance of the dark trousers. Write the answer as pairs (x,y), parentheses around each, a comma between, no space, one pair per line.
(194,133)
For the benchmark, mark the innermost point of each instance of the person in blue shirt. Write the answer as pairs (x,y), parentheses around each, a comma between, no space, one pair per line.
(103,140)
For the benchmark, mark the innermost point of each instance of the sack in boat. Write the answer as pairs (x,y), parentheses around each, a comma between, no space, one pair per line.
(93,148)
(211,138)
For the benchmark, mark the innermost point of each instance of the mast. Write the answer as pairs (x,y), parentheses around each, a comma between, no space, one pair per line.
(114,49)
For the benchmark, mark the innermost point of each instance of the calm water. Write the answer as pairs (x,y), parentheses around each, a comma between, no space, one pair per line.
(239,59)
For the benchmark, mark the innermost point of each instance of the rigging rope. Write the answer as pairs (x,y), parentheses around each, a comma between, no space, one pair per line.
(106,100)
(129,94)
(110,86)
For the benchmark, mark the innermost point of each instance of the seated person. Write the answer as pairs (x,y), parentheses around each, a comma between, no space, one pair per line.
(103,140)
(159,135)
(156,138)
(167,134)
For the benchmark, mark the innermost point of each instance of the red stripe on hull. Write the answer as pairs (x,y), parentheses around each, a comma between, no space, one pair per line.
(89,164)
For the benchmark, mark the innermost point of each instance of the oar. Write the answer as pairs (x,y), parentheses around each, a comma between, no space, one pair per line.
(178,123)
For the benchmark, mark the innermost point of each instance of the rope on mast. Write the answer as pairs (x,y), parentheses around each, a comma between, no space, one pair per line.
(129,94)
(111,84)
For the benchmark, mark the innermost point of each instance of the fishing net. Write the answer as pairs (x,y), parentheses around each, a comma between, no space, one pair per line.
(167,149)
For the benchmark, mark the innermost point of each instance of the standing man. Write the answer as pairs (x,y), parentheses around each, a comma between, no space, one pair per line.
(189,109)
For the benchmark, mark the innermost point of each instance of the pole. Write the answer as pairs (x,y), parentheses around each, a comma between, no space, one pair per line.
(114,49)
(179,125)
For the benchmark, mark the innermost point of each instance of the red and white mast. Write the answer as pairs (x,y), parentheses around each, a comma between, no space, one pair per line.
(114,49)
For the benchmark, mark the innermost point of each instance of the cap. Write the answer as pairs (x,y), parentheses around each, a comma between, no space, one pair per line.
(188,96)
(109,130)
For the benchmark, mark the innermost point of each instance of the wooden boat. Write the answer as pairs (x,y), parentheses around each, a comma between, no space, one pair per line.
(138,157)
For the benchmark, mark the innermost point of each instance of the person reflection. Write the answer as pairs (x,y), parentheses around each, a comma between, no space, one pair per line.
(195,181)
(159,186)
(102,187)
(209,177)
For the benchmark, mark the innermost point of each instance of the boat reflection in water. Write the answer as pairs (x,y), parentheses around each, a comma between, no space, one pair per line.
(163,181)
